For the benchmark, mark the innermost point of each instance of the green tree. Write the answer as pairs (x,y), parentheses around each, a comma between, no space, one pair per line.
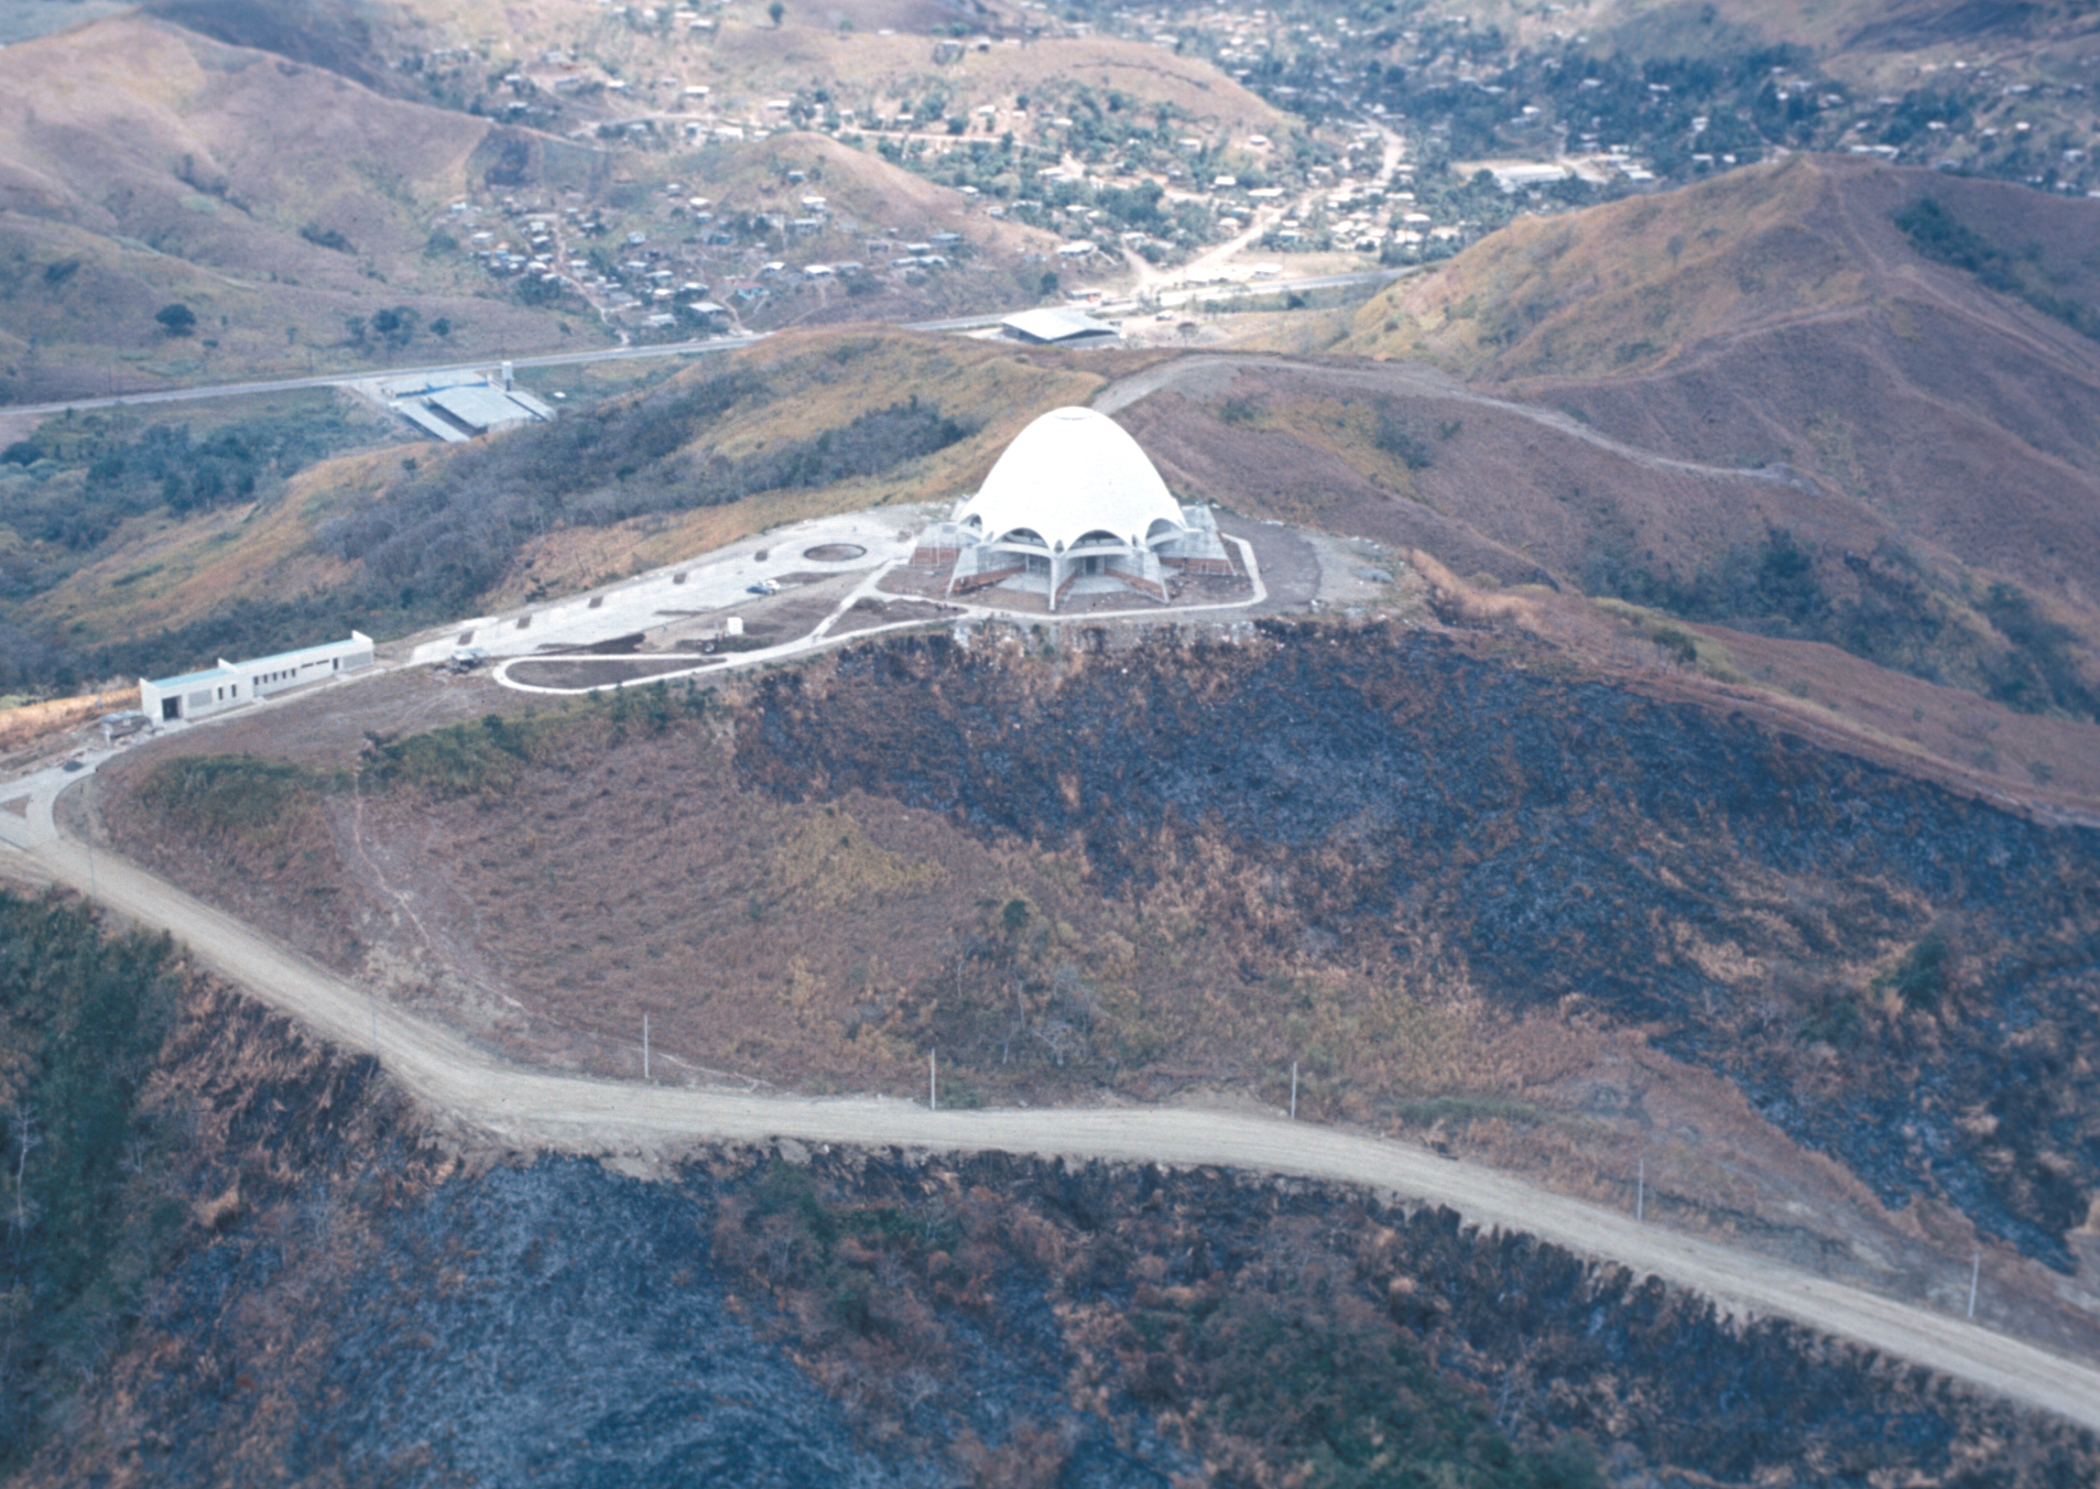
(177,319)
(776,11)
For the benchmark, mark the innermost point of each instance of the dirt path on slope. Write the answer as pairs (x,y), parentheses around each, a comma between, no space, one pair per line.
(1405,378)
(528,1110)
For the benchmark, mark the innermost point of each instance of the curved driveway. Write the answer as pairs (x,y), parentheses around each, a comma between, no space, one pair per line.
(526,1110)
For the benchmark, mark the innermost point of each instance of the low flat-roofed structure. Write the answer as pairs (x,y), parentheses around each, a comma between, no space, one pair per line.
(194,695)
(456,407)
(190,695)
(480,407)
(1056,326)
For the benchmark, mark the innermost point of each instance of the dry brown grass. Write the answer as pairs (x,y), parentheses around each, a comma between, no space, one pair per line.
(162,571)
(750,59)
(29,724)
(821,380)
(159,571)
(1623,287)
(168,167)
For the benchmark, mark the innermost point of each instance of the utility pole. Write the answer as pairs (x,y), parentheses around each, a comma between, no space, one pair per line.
(1294,1090)
(374,994)
(1640,1193)
(645,1046)
(933,1087)
(1975,1271)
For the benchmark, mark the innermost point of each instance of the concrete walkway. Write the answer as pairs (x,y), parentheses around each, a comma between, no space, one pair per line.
(603,622)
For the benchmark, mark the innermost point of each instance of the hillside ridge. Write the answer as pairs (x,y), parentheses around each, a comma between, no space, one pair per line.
(567,1114)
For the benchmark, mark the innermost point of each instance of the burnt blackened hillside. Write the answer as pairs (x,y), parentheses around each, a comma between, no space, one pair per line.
(334,1299)
(550,1324)
(1923,972)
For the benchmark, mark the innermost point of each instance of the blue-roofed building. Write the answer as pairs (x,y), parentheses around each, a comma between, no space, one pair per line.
(194,695)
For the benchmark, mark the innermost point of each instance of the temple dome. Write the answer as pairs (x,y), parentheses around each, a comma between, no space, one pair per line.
(1073,474)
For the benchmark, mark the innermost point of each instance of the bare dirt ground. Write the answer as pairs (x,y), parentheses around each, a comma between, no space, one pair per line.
(1290,566)
(602,672)
(869,611)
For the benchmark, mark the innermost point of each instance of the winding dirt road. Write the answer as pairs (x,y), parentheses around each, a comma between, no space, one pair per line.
(529,1110)
(1418,379)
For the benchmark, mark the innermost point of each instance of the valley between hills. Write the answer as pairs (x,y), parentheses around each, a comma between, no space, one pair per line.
(1583,973)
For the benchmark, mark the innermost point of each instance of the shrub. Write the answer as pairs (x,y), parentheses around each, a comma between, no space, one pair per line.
(329,238)
(1402,443)
(463,759)
(237,797)
(1919,977)
(82,1017)
(1677,644)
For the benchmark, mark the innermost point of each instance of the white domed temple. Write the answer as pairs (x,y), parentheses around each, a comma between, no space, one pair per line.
(1073,502)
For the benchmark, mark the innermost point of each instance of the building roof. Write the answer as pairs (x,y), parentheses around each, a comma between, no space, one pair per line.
(430,423)
(480,407)
(285,661)
(1070,474)
(194,679)
(1053,323)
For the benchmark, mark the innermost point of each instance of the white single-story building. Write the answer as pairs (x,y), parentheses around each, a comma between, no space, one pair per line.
(1073,500)
(195,695)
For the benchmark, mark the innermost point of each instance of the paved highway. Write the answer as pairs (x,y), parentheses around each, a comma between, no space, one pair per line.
(341,379)
(627,353)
